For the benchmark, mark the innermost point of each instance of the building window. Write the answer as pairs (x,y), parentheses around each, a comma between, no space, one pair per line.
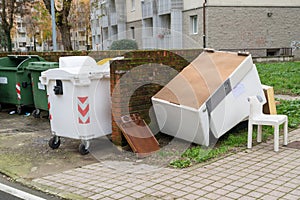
(132,33)
(132,5)
(194,24)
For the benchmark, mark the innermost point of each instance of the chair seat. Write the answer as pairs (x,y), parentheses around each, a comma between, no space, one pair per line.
(269,119)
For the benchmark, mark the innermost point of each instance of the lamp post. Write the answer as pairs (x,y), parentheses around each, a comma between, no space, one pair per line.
(53,26)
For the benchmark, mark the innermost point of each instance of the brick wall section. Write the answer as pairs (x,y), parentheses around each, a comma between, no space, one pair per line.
(138,77)
(54,56)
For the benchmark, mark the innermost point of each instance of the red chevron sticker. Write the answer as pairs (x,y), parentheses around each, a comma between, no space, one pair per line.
(18,90)
(82,99)
(82,111)
(50,116)
(83,108)
(86,122)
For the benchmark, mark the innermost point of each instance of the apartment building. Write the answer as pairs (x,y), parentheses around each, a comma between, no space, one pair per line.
(108,19)
(25,32)
(20,40)
(268,25)
(80,25)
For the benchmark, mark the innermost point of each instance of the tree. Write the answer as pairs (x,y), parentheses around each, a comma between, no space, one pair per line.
(32,29)
(38,23)
(9,10)
(124,44)
(61,18)
(81,18)
(3,44)
(7,13)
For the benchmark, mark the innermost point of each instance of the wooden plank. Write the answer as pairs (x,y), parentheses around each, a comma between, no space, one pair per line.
(270,106)
(138,135)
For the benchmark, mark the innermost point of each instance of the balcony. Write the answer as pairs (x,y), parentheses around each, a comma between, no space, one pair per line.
(98,31)
(21,39)
(104,22)
(165,6)
(94,31)
(113,19)
(21,30)
(161,41)
(149,43)
(147,9)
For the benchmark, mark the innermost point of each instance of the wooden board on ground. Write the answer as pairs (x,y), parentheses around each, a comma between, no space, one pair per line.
(138,135)
(270,106)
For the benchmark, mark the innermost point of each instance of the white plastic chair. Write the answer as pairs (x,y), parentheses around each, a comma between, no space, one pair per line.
(257,117)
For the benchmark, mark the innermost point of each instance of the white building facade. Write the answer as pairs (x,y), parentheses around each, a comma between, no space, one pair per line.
(174,24)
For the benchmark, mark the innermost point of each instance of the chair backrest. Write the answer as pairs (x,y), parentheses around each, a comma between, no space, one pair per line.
(255,105)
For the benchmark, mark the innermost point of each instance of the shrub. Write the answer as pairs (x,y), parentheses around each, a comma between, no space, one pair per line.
(124,44)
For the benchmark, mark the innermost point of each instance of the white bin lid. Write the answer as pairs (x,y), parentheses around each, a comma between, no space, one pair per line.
(75,67)
(80,64)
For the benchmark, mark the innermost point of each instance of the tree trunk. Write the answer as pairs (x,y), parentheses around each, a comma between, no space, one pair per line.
(66,37)
(61,19)
(7,17)
(8,40)
(34,43)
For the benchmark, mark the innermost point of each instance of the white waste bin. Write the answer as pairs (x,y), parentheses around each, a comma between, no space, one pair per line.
(208,98)
(79,100)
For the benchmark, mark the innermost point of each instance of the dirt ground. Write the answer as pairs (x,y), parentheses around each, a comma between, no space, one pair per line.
(24,149)
(25,153)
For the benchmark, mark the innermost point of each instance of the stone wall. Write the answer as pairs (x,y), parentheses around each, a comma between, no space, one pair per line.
(54,56)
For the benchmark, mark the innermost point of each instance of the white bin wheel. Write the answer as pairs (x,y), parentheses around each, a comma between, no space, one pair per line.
(54,142)
(36,113)
(82,149)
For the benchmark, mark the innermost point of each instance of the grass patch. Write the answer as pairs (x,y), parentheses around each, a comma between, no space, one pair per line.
(292,110)
(283,77)
(237,138)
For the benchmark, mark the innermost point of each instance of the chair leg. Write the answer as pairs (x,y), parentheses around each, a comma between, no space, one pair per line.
(276,138)
(285,133)
(259,133)
(250,129)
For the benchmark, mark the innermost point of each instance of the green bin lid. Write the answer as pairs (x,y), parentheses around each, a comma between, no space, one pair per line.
(41,66)
(18,62)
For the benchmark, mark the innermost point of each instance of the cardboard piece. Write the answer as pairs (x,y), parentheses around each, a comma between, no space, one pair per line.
(270,106)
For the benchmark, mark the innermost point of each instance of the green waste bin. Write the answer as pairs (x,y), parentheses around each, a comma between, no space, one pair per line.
(39,91)
(15,83)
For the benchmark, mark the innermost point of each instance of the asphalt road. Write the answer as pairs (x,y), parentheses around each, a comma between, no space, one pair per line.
(5,196)
(7,188)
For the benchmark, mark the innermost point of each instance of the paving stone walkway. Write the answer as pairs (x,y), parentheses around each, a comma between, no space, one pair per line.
(259,173)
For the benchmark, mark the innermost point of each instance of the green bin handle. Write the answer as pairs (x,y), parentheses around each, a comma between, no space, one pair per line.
(20,66)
